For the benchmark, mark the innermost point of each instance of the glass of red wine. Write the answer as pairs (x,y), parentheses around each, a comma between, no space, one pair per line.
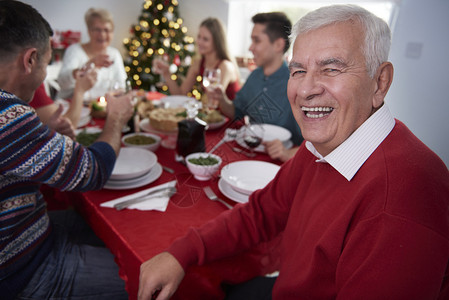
(253,135)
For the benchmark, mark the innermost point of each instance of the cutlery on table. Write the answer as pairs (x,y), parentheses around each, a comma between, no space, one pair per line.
(211,195)
(162,192)
(238,150)
(169,170)
(230,135)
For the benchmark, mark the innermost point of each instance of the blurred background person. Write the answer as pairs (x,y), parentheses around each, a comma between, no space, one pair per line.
(51,113)
(48,255)
(263,97)
(96,53)
(214,54)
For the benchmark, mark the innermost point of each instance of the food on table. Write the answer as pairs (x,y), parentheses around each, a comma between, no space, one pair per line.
(210,116)
(140,139)
(204,161)
(144,107)
(166,119)
(87,138)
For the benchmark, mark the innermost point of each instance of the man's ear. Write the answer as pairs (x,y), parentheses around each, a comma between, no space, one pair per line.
(279,45)
(384,78)
(29,59)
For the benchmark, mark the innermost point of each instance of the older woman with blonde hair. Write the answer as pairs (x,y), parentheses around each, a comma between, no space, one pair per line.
(96,53)
(214,54)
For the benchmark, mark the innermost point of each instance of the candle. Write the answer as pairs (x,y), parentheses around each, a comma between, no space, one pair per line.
(102,102)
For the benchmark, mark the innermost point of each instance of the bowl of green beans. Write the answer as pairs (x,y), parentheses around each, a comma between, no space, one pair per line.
(202,165)
(143,140)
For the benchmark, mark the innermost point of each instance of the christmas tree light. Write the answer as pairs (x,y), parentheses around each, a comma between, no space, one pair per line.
(159,32)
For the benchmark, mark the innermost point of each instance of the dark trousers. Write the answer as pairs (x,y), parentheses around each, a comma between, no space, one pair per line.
(258,288)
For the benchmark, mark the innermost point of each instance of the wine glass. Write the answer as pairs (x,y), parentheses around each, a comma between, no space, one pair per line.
(211,79)
(253,135)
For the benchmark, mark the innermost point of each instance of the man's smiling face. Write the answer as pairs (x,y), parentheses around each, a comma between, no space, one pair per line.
(330,91)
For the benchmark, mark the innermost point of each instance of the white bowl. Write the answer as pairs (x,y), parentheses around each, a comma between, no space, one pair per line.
(246,176)
(152,147)
(202,172)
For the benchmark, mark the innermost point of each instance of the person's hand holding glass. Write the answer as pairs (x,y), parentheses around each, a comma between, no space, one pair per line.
(211,80)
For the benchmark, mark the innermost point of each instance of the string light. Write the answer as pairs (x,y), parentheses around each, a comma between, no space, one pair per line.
(147,4)
(144,24)
(159,31)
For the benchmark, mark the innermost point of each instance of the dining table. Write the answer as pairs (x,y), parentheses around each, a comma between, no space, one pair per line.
(134,236)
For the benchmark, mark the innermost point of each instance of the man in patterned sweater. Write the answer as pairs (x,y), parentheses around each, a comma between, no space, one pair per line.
(363,206)
(38,260)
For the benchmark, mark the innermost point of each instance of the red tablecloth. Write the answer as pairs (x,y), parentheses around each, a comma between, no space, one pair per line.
(135,236)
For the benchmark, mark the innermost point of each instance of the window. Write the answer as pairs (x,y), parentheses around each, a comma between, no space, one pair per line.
(241,11)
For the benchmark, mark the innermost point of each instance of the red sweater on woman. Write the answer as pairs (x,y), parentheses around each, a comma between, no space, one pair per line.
(231,89)
(382,235)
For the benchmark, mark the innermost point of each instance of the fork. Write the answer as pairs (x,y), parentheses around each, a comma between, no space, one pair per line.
(211,195)
(230,134)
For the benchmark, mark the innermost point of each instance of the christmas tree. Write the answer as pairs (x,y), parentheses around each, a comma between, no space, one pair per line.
(159,33)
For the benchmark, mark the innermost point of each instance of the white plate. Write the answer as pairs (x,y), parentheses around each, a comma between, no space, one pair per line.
(261,148)
(246,176)
(272,132)
(84,121)
(174,101)
(84,115)
(216,125)
(232,194)
(88,130)
(148,178)
(132,163)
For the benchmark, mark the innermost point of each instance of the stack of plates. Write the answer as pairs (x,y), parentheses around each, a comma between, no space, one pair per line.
(239,179)
(271,132)
(134,168)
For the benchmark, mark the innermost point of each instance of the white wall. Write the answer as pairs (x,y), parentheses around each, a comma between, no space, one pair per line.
(69,14)
(419,95)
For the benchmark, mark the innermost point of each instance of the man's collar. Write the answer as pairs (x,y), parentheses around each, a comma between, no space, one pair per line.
(349,157)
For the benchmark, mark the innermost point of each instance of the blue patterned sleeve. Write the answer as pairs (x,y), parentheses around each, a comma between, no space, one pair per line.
(30,150)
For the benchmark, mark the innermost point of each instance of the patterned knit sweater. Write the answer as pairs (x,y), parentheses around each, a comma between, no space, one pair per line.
(30,155)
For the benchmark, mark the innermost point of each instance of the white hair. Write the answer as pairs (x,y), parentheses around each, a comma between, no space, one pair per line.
(377,33)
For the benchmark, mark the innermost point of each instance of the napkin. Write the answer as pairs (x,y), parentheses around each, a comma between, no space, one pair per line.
(156,203)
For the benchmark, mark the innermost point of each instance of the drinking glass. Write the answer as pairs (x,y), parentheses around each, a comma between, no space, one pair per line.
(253,135)
(211,79)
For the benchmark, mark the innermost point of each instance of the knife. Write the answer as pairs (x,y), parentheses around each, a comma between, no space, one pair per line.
(162,192)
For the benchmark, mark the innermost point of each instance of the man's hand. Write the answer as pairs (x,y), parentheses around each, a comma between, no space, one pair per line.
(160,276)
(277,150)
(61,124)
(119,107)
(85,80)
